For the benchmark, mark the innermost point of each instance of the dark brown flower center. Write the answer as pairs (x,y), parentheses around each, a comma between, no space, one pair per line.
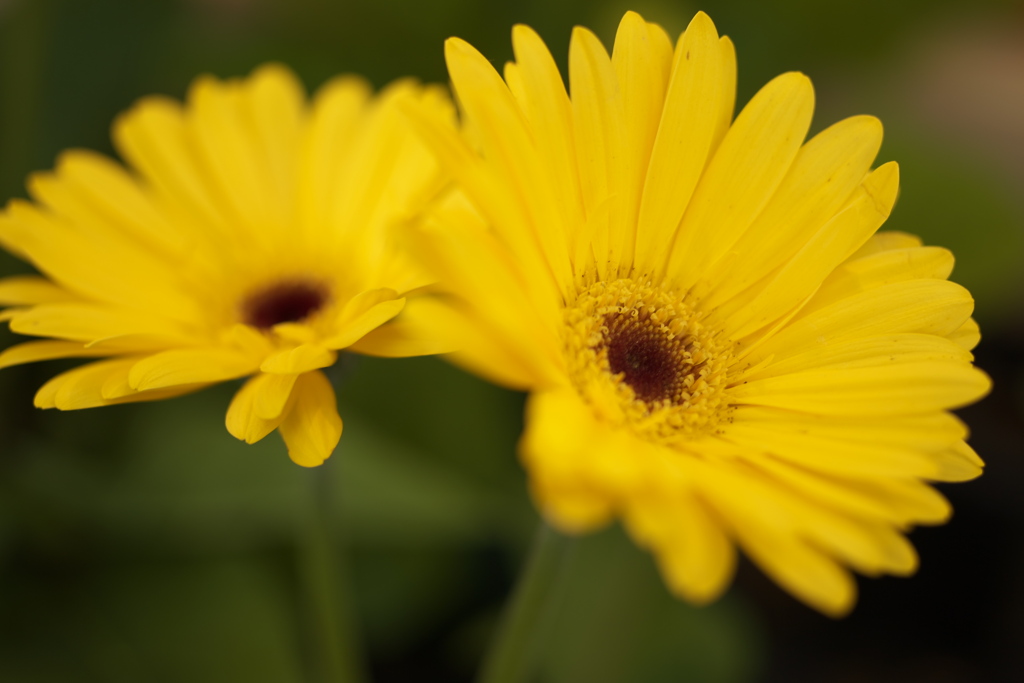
(652,361)
(285,302)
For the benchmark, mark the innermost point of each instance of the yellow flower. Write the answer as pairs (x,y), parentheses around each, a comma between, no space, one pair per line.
(251,236)
(720,351)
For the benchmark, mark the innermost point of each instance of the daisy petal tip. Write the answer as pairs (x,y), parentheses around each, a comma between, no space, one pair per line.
(631,17)
(582,33)
(523,34)
(799,82)
(457,48)
(883,185)
(306,459)
(870,122)
(983,384)
(43,401)
(839,608)
(244,430)
(697,593)
(908,568)
(274,71)
(703,23)
(891,172)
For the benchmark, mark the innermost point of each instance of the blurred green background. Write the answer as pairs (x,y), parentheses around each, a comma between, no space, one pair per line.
(143,543)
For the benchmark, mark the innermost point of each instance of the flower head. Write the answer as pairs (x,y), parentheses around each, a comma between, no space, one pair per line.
(720,349)
(250,236)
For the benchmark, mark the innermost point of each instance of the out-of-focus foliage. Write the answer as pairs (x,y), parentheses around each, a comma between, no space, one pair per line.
(142,543)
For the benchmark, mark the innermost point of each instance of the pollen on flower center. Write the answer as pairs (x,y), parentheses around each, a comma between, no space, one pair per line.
(284,302)
(641,356)
(652,361)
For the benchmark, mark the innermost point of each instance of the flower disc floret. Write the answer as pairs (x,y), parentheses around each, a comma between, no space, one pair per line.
(642,358)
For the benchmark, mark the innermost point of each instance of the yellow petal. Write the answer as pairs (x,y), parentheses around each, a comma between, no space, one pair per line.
(967,335)
(502,308)
(299,359)
(727,106)
(560,429)
(824,174)
(386,171)
(880,269)
(598,119)
(31,352)
(899,389)
(898,501)
(83,387)
(547,107)
(417,331)
(90,263)
(189,366)
(959,463)
(538,235)
(272,394)
(486,352)
(642,59)
(741,179)
(765,526)
(242,420)
(89,322)
(885,241)
(929,431)
(21,290)
(867,352)
(154,138)
(824,251)
(311,427)
(845,446)
(224,145)
(916,306)
(872,547)
(696,557)
(275,104)
(686,134)
(356,328)
(98,192)
(338,108)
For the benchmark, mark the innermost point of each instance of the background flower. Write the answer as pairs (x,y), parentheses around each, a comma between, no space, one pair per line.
(254,238)
(120,527)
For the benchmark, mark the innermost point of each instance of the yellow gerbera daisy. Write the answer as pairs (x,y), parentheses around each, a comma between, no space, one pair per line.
(251,237)
(720,350)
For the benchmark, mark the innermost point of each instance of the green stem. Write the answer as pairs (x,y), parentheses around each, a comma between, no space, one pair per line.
(515,651)
(325,581)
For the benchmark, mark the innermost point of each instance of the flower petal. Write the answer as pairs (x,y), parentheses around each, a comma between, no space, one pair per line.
(695,555)
(311,427)
(31,352)
(87,322)
(899,389)
(355,329)
(189,366)
(83,387)
(272,395)
(299,359)
(915,306)
(416,331)
(742,177)
(825,172)
(691,119)
(242,420)
(823,252)
(22,290)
